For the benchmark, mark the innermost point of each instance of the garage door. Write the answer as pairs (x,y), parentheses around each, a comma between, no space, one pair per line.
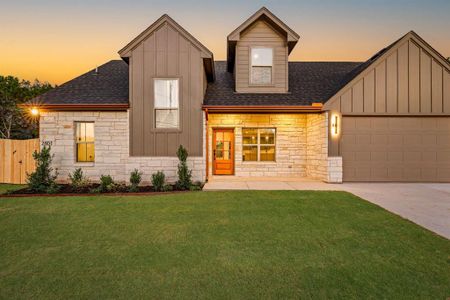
(414,149)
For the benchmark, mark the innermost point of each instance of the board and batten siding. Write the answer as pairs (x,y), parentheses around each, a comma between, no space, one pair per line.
(409,81)
(166,54)
(261,34)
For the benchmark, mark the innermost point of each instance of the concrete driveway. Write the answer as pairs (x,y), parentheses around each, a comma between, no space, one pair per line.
(426,204)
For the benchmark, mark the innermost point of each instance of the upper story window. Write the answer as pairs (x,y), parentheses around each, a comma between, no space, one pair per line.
(261,68)
(84,139)
(166,103)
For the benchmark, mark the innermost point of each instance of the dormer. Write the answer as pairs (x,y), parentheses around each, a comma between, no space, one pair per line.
(258,52)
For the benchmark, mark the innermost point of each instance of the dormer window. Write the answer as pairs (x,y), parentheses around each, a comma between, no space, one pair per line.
(261,68)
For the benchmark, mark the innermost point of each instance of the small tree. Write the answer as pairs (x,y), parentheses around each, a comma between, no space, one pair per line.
(42,180)
(184,174)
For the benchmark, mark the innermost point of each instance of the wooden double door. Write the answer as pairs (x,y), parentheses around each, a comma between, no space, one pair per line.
(223,151)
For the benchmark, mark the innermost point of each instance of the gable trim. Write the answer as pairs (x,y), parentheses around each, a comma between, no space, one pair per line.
(291,35)
(126,51)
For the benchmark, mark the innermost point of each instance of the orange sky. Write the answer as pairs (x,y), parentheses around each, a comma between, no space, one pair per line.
(59,40)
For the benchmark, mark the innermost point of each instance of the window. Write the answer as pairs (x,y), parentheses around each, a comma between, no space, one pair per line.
(85,141)
(262,59)
(258,144)
(166,103)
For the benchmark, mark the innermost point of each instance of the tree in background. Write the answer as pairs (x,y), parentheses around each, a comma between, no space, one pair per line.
(14,121)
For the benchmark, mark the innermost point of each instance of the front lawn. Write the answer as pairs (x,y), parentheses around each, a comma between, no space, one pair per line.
(5,187)
(280,244)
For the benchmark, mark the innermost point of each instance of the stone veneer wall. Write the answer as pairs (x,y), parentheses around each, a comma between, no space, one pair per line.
(317,150)
(111,148)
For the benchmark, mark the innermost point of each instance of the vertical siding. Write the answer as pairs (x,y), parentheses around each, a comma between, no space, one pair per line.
(166,54)
(446,91)
(408,81)
(262,35)
(380,88)
(402,69)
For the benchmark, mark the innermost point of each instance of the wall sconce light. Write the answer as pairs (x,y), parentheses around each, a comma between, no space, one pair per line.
(34,111)
(335,125)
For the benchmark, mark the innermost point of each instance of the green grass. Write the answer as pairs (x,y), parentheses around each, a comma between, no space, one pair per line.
(233,245)
(5,187)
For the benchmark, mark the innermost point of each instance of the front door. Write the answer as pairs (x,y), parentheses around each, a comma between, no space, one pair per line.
(223,151)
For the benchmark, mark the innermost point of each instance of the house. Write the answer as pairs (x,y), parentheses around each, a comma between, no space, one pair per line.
(256,114)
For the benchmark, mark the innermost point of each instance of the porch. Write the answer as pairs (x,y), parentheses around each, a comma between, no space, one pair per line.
(270,145)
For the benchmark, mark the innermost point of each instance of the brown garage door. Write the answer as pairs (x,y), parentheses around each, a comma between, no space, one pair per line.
(415,149)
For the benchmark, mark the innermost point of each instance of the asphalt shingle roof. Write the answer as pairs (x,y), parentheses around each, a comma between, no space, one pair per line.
(107,86)
(308,82)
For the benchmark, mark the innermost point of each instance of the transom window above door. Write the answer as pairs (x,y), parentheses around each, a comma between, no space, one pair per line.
(258,144)
(166,103)
(261,68)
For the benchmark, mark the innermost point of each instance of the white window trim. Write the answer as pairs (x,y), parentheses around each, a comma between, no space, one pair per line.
(251,67)
(258,145)
(168,129)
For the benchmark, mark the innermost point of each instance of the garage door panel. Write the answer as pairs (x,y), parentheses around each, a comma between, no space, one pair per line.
(443,155)
(396,149)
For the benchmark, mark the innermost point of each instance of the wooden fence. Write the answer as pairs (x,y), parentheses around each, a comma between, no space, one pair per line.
(16,160)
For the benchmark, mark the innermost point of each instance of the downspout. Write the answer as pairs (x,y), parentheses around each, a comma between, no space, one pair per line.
(207,145)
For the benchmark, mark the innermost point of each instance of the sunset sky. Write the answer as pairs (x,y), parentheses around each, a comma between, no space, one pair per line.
(56,40)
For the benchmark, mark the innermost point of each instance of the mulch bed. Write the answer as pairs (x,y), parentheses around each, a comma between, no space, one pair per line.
(66,190)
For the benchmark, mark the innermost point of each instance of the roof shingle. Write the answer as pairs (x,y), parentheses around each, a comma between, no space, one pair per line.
(107,86)
(309,82)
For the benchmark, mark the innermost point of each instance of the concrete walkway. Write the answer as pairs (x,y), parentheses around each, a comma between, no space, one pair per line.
(426,204)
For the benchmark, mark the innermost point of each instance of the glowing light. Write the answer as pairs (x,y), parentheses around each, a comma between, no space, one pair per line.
(34,111)
(335,125)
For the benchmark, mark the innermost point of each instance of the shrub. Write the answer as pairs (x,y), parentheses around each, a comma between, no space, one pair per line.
(78,181)
(107,184)
(159,181)
(135,180)
(184,181)
(167,188)
(42,180)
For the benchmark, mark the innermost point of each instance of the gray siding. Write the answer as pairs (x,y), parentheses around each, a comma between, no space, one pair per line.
(166,54)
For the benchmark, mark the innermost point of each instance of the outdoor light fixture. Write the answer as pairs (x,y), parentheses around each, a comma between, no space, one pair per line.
(34,111)
(334,125)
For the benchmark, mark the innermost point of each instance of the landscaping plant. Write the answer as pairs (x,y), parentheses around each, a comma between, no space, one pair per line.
(184,181)
(42,180)
(78,181)
(107,185)
(159,181)
(135,180)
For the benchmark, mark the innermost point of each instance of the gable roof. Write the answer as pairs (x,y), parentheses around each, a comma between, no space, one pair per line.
(309,82)
(206,54)
(108,85)
(266,15)
(383,53)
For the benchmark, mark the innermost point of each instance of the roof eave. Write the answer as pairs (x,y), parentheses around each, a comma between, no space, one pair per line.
(77,107)
(262,109)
